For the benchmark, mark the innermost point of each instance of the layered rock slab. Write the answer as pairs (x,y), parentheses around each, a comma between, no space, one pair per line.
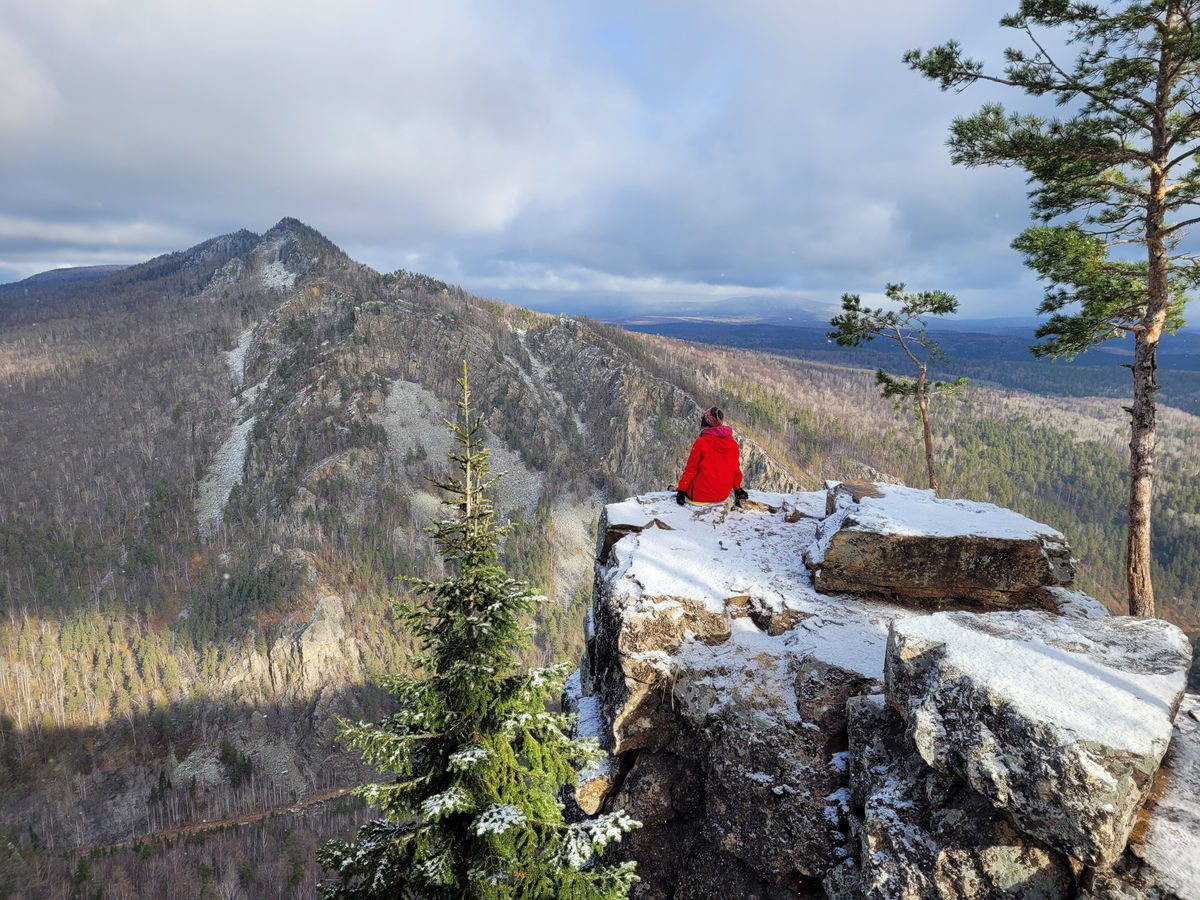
(1060,722)
(726,686)
(912,546)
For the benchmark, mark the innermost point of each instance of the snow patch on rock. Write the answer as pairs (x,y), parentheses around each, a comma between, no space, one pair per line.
(915,511)
(224,471)
(235,359)
(1171,844)
(276,277)
(1101,692)
(542,384)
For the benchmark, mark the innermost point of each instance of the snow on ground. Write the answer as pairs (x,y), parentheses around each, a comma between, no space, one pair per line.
(223,473)
(1076,603)
(236,358)
(412,418)
(519,486)
(710,555)
(248,395)
(542,382)
(589,723)
(1172,841)
(275,276)
(227,465)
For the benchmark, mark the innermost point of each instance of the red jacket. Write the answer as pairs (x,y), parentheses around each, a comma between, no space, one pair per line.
(712,469)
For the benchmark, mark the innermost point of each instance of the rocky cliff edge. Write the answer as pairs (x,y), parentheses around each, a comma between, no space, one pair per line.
(870,692)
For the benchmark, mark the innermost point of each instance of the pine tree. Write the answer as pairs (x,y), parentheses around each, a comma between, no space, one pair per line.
(1115,186)
(906,326)
(473,810)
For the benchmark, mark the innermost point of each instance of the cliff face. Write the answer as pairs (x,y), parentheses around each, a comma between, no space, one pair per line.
(962,724)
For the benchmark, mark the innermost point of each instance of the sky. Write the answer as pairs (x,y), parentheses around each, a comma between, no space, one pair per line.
(634,153)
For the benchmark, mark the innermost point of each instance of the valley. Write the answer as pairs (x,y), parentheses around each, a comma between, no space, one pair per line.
(216,475)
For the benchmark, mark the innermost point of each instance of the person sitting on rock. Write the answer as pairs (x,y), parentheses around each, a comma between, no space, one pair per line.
(712,469)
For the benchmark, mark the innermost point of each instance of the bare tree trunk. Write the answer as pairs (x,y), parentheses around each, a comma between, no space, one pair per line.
(1141,478)
(1142,433)
(923,403)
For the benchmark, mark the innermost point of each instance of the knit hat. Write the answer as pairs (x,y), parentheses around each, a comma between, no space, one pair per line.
(712,417)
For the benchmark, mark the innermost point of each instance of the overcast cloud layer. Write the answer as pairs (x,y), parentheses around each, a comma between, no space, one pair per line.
(539,152)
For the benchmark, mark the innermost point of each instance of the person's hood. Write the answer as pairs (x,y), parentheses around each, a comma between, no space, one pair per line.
(720,438)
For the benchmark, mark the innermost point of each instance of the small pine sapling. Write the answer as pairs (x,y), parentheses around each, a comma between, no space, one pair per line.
(473,809)
(906,326)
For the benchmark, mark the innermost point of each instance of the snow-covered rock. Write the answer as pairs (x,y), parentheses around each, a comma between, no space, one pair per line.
(910,545)
(594,783)
(750,732)
(1060,722)
(713,652)
(1162,861)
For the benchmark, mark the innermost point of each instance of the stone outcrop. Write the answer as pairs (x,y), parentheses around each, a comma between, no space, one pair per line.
(781,742)
(910,546)
(1060,722)
(923,834)
(1162,861)
(722,677)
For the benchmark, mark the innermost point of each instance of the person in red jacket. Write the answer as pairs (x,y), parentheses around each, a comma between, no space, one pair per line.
(712,469)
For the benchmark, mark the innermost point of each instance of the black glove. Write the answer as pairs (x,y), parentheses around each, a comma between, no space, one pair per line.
(681,497)
(738,496)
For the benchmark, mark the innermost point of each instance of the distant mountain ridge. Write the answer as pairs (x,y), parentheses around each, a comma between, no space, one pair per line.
(68,275)
(998,355)
(98,289)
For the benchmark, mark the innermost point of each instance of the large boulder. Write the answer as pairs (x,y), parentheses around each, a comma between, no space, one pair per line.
(744,712)
(913,547)
(923,834)
(1060,722)
(722,673)
(669,575)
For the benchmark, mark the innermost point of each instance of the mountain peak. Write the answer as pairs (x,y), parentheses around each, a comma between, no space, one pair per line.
(308,238)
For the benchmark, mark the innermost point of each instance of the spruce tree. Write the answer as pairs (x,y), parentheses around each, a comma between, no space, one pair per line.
(473,809)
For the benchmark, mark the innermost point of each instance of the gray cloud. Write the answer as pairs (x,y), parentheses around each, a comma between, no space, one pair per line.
(659,149)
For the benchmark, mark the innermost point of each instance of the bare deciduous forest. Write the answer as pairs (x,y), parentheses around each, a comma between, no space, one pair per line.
(154,674)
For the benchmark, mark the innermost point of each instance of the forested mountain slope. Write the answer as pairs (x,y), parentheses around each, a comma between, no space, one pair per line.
(1000,357)
(167,656)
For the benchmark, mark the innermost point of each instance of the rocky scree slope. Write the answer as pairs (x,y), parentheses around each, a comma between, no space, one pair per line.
(936,734)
